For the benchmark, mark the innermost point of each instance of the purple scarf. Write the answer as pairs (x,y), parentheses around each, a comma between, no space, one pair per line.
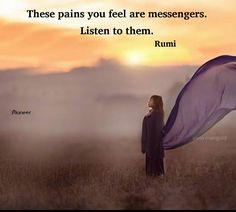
(208,96)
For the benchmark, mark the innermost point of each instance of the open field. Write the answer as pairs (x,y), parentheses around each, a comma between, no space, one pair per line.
(110,175)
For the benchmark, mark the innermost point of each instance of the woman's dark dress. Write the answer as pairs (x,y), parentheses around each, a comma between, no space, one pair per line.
(152,143)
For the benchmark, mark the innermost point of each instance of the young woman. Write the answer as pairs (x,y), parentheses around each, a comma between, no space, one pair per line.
(152,127)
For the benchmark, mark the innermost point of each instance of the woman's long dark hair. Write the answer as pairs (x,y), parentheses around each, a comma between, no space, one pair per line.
(158,104)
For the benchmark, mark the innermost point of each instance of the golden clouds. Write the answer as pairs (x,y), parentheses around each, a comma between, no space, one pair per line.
(57,44)
(37,45)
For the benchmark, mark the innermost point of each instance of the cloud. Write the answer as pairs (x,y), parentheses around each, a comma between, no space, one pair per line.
(40,46)
(58,45)
(108,99)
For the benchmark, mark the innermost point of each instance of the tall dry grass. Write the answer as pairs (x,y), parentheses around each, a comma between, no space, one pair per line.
(99,175)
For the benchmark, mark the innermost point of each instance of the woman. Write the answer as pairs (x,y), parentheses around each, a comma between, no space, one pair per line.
(153,124)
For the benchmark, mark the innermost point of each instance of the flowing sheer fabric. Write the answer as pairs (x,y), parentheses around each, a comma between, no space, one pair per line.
(208,96)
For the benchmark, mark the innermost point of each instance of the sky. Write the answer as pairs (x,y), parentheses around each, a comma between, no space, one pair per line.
(57,45)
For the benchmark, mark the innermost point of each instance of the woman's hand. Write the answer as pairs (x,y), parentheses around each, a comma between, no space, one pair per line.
(149,112)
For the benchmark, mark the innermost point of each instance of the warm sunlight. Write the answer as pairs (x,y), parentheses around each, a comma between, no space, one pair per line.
(9,8)
(134,58)
(58,44)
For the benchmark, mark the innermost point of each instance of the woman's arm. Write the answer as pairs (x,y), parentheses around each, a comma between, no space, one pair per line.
(156,126)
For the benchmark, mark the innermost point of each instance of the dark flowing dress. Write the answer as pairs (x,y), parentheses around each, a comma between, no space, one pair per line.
(152,143)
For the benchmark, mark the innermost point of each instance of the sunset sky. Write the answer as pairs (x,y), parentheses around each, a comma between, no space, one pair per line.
(56,45)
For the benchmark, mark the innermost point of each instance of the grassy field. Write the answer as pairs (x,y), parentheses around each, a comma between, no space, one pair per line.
(98,175)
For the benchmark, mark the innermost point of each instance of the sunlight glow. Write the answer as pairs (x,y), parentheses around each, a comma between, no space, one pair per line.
(134,58)
(10,8)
